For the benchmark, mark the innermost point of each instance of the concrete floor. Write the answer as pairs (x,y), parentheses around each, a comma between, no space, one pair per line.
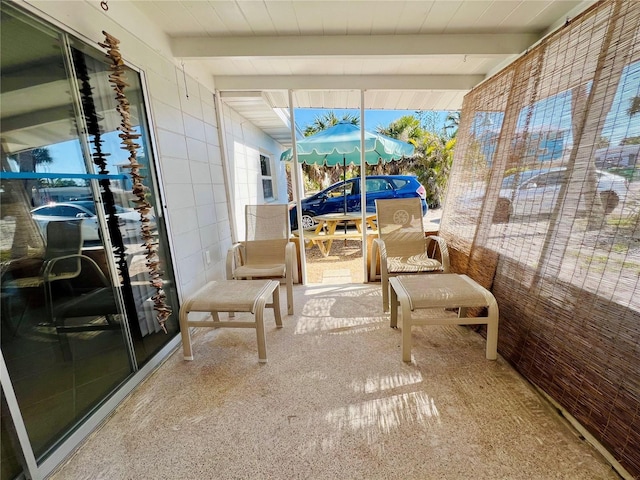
(335,401)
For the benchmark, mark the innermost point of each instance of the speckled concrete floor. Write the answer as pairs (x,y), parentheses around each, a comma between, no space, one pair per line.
(335,401)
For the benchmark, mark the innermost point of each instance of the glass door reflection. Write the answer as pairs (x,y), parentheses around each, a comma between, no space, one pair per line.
(64,335)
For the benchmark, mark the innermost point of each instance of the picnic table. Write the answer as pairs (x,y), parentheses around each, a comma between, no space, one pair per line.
(325,232)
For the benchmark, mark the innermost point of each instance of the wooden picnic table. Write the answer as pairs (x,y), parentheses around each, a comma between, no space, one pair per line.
(325,232)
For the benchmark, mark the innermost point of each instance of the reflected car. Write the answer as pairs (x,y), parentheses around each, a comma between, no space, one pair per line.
(128,218)
(535,192)
(332,199)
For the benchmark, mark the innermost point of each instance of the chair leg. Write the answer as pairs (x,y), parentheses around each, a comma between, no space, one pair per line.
(183,317)
(289,295)
(406,332)
(385,293)
(276,306)
(63,340)
(492,330)
(260,333)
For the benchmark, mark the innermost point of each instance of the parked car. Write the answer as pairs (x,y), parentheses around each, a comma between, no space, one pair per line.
(535,192)
(128,218)
(331,199)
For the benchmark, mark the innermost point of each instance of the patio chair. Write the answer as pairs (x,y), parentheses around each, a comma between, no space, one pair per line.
(266,251)
(402,247)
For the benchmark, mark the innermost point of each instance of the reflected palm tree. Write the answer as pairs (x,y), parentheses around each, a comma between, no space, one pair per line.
(634,106)
(17,201)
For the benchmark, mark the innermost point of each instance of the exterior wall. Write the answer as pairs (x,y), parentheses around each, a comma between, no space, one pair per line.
(185,126)
(244,145)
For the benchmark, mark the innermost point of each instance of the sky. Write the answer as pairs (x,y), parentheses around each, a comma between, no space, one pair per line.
(373,118)
(67,156)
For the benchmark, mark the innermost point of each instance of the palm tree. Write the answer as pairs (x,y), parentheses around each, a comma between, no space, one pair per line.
(433,157)
(316,173)
(407,129)
(451,123)
(329,119)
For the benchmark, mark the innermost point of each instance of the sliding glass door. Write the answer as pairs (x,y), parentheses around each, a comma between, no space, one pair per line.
(77,304)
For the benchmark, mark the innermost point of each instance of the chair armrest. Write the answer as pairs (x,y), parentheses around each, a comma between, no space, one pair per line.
(235,257)
(291,261)
(378,250)
(48,276)
(441,245)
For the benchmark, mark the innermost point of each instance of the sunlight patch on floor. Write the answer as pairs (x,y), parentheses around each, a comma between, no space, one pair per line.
(387,413)
(380,383)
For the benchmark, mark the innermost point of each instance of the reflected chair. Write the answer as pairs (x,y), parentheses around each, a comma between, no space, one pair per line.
(267,251)
(85,292)
(94,301)
(402,247)
(59,262)
(63,238)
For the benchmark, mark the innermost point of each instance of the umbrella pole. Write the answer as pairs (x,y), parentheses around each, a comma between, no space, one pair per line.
(344,191)
(344,186)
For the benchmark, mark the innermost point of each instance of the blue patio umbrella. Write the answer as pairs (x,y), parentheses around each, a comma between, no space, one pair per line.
(340,145)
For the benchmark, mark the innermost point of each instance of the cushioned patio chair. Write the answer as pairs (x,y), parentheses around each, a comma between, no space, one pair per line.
(266,251)
(402,247)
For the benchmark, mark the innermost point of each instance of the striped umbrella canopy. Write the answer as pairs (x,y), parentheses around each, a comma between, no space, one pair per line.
(340,145)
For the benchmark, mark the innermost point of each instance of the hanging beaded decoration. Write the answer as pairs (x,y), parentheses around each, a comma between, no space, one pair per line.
(118,79)
(99,157)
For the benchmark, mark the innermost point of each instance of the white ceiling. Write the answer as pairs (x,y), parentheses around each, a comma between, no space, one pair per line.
(406,54)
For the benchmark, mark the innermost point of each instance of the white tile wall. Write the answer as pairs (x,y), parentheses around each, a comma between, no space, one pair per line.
(194,127)
(182,220)
(219,193)
(171,144)
(192,274)
(165,115)
(197,151)
(163,89)
(179,195)
(203,194)
(191,105)
(211,137)
(206,217)
(188,245)
(176,169)
(222,213)
(209,235)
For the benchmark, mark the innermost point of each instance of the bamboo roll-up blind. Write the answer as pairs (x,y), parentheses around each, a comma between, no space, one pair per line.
(545,192)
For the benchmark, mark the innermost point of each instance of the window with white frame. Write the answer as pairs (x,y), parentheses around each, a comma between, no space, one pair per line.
(267,181)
